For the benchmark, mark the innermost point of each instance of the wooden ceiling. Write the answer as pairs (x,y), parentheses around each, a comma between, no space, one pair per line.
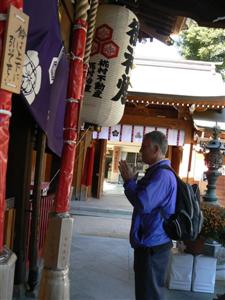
(160,18)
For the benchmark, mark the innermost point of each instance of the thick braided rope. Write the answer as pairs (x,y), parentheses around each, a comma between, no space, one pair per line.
(81,9)
(91,28)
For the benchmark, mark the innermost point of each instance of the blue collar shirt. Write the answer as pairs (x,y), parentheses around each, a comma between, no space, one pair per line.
(152,197)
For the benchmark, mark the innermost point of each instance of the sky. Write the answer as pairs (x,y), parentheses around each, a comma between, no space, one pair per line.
(156,49)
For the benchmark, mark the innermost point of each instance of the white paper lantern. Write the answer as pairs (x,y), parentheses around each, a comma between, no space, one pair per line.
(110,65)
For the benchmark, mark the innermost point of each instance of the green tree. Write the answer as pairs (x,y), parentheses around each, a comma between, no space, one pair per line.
(201,43)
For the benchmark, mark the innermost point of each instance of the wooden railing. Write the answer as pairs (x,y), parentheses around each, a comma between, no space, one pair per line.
(46,206)
(9,223)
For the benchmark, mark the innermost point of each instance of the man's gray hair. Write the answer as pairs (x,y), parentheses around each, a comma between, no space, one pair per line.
(158,138)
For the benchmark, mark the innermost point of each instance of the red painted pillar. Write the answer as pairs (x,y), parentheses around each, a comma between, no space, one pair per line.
(88,167)
(5,113)
(74,94)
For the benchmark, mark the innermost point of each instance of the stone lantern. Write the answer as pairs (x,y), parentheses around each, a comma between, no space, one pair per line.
(213,152)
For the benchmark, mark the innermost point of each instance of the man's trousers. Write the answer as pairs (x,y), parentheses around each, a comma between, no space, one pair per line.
(150,269)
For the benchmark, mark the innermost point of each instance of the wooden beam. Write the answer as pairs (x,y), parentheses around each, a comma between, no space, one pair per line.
(168,99)
(66,17)
(151,110)
(155,121)
(68,8)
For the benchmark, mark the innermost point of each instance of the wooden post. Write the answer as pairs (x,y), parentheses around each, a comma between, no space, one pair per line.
(35,215)
(9,225)
(115,164)
(85,140)
(18,181)
(176,158)
(189,161)
(99,166)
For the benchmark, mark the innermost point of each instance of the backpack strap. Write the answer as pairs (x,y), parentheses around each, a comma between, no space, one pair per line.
(151,171)
(148,175)
(166,167)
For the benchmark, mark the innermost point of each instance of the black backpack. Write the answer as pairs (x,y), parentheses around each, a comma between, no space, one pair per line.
(186,223)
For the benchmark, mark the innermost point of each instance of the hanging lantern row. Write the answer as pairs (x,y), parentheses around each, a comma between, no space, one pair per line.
(110,65)
(175,103)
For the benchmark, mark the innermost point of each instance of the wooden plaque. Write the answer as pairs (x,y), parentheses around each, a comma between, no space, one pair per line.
(14,50)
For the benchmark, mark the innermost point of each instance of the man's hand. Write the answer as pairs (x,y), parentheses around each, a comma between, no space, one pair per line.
(125,171)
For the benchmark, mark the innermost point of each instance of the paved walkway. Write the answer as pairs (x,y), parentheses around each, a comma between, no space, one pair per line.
(101,257)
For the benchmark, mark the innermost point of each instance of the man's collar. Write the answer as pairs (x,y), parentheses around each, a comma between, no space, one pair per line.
(156,163)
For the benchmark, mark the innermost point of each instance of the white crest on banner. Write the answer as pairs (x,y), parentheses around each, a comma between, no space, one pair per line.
(115,133)
(32,72)
(138,134)
(134,134)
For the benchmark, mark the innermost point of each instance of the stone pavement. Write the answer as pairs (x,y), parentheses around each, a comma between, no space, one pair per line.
(101,257)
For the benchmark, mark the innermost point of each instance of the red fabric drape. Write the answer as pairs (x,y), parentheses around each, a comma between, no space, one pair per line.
(5,109)
(75,87)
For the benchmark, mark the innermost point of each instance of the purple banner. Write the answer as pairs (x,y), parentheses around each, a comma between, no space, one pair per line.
(45,71)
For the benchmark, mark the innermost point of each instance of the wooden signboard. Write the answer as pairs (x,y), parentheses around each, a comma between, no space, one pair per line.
(14,50)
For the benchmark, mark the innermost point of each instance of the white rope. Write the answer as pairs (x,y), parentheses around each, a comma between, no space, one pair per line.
(3,17)
(70,128)
(53,178)
(72,100)
(73,57)
(70,142)
(218,19)
(5,112)
(78,26)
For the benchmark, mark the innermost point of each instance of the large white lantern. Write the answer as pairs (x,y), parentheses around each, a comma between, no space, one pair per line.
(110,65)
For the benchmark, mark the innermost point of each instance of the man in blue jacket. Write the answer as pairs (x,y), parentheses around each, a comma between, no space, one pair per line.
(153,198)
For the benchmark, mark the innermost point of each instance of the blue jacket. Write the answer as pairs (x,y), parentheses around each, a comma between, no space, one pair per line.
(151,198)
